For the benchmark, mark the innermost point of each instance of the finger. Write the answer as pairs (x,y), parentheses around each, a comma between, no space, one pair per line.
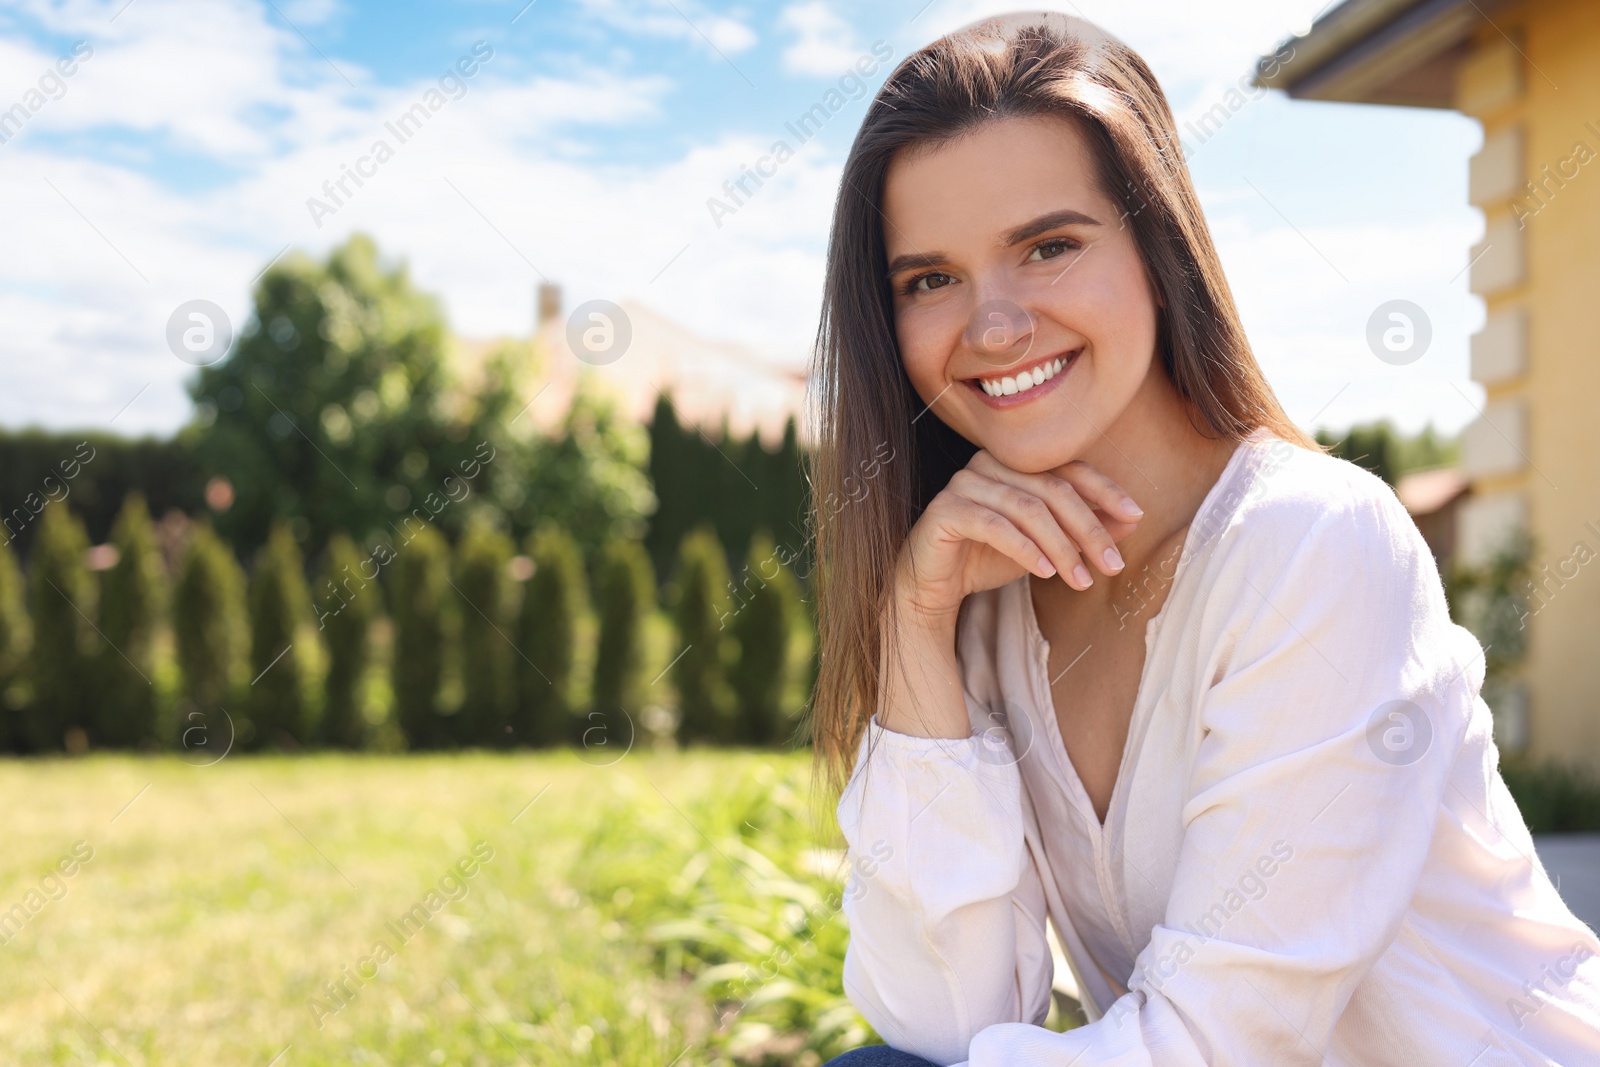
(976,522)
(1078,521)
(1100,491)
(1034,516)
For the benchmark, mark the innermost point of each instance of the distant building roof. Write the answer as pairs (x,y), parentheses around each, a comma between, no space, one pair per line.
(1402,52)
(708,379)
(1427,492)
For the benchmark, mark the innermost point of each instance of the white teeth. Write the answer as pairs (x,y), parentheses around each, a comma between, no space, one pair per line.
(1021,383)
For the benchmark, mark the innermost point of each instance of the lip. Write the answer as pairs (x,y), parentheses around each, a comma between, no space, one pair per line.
(1070,355)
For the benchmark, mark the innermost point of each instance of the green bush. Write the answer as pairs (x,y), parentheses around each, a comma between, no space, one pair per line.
(208,623)
(700,610)
(765,613)
(421,603)
(552,602)
(484,590)
(16,642)
(133,604)
(1554,797)
(61,599)
(282,661)
(347,602)
(626,591)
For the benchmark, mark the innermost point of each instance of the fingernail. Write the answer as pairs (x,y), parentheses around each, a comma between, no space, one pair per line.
(1082,576)
(1129,506)
(1045,567)
(1113,559)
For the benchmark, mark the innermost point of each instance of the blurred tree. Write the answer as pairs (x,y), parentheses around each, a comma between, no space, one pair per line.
(552,602)
(62,602)
(425,629)
(208,621)
(700,608)
(133,605)
(16,642)
(336,405)
(735,483)
(766,610)
(625,588)
(1370,446)
(487,612)
(347,602)
(282,661)
(589,478)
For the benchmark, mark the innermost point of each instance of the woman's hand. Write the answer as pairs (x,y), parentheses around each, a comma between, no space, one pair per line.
(992,524)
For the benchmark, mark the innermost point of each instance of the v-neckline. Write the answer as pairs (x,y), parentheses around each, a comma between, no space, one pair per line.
(1041,664)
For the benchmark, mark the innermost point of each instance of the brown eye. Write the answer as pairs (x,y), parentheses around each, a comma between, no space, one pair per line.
(934,279)
(1054,247)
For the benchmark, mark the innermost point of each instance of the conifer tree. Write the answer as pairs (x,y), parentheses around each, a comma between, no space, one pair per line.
(281,703)
(626,592)
(552,602)
(208,621)
(347,598)
(766,609)
(485,592)
(133,604)
(700,610)
(420,604)
(16,642)
(61,599)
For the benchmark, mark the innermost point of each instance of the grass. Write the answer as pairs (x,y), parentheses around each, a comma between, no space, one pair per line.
(665,907)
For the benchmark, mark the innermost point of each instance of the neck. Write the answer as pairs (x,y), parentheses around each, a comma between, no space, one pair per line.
(1155,452)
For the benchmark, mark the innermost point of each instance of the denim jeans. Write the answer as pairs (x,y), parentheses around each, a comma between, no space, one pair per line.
(878,1056)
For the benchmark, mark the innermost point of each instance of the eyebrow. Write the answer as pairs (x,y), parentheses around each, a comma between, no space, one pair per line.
(1033,228)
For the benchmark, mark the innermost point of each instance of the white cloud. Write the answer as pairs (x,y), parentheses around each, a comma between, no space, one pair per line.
(676,20)
(825,43)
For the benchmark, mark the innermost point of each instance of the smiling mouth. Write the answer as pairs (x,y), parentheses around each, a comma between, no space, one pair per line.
(1026,379)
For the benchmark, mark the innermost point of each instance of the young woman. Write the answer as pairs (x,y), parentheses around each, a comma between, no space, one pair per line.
(1225,739)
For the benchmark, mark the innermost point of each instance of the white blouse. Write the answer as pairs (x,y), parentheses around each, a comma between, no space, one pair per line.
(1309,857)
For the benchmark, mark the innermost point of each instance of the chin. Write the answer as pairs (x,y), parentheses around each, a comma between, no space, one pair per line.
(1045,449)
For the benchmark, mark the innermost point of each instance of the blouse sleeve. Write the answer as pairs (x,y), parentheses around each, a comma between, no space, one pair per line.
(1329,719)
(944,900)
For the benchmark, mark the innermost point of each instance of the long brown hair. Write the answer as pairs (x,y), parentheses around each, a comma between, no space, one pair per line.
(880,455)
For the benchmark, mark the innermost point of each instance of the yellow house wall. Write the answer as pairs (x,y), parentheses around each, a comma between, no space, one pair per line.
(1558,107)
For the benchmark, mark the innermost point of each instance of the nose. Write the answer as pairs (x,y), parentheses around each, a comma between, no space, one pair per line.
(1000,332)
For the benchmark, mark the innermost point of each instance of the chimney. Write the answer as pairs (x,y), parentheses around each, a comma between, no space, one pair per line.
(549,301)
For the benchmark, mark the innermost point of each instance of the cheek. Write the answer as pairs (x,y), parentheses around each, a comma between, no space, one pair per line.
(1113,308)
(926,343)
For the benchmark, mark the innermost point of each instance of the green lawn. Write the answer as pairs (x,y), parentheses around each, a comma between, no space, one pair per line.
(666,907)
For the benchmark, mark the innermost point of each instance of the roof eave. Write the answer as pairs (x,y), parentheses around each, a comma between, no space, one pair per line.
(1399,52)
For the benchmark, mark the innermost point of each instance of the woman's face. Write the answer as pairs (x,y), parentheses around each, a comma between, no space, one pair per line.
(1008,264)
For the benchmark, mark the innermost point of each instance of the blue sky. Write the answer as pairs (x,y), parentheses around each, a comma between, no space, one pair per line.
(180,156)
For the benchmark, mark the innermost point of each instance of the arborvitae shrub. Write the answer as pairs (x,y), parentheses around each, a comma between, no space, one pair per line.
(208,623)
(766,609)
(281,698)
(133,604)
(626,595)
(61,599)
(420,604)
(484,590)
(16,642)
(552,602)
(700,609)
(346,600)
